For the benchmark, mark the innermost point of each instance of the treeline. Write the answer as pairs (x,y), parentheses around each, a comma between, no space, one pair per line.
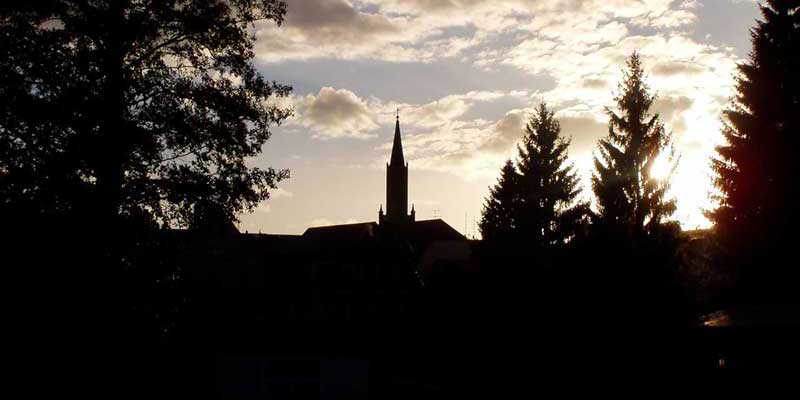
(622,253)
(746,258)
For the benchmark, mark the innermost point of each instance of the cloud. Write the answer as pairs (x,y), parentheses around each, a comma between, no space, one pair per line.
(437,112)
(672,110)
(507,132)
(321,20)
(342,29)
(340,113)
(334,113)
(280,193)
(592,83)
(583,128)
(422,30)
(677,67)
(449,108)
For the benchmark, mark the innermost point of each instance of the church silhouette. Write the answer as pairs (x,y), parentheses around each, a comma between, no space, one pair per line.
(397,185)
(397,222)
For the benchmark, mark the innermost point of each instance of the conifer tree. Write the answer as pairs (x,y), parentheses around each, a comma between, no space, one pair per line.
(756,169)
(498,220)
(630,200)
(548,212)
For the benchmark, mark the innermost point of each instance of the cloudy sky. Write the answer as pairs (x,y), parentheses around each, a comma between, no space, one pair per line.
(464,74)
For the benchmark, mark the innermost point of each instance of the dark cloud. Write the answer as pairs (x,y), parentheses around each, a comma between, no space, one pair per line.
(336,20)
(507,131)
(438,5)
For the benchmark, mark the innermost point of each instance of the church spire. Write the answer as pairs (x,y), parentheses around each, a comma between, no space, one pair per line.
(397,146)
(396,184)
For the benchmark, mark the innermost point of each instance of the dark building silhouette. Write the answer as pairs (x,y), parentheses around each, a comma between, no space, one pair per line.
(260,301)
(396,186)
(397,222)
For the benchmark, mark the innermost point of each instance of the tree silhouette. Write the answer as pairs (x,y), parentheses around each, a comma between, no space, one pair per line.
(756,169)
(630,201)
(535,201)
(548,213)
(498,220)
(135,107)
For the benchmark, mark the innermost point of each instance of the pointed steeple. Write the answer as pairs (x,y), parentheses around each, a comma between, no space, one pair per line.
(397,146)
(396,183)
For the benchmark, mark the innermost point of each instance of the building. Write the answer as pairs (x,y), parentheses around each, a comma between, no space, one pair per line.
(303,315)
(397,186)
(397,222)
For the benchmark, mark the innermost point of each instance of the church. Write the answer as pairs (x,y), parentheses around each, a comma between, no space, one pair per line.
(397,222)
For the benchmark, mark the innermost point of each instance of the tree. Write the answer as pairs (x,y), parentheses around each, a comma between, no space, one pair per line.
(116,115)
(498,220)
(756,169)
(630,201)
(633,250)
(548,212)
(135,107)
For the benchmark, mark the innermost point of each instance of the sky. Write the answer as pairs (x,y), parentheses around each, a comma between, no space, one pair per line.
(464,75)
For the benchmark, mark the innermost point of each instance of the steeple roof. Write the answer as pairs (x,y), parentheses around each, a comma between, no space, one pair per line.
(397,146)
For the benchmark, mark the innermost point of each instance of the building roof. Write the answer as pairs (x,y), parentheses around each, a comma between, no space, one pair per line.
(434,229)
(419,231)
(347,232)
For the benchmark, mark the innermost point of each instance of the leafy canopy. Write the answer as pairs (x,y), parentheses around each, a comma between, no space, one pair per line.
(135,106)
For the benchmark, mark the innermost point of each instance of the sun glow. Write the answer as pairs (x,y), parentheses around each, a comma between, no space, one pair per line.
(661,168)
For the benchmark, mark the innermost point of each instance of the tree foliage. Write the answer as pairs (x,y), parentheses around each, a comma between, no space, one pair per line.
(756,169)
(536,200)
(135,107)
(549,187)
(498,220)
(630,200)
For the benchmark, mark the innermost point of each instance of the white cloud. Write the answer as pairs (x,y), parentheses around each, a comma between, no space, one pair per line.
(280,193)
(334,113)
(417,30)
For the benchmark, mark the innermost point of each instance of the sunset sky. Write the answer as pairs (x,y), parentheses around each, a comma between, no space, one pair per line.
(464,74)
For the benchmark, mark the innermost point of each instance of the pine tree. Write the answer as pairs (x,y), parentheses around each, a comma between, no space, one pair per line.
(548,212)
(498,220)
(756,169)
(630,201)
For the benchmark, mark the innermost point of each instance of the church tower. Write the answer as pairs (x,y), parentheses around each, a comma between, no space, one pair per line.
(396,185)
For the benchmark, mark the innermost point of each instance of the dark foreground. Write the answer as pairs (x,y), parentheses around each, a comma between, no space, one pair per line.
(257,317)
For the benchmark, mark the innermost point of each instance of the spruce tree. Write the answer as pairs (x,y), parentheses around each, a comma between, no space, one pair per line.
(548,212)
(630,201)
(756,169)
(498,220)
